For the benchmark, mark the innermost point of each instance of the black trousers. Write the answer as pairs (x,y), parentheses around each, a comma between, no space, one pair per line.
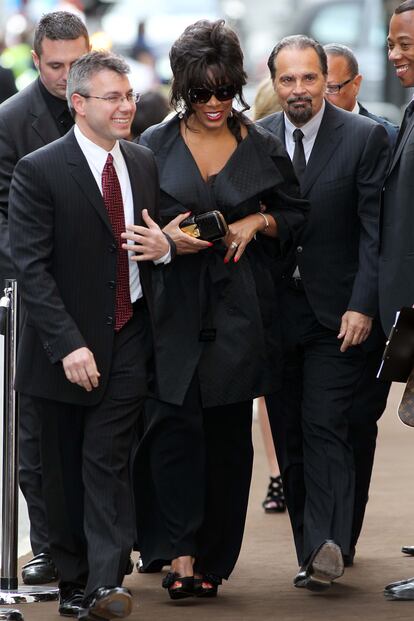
(369,403)
(194,469)
(309,417)
(30,474)
(85,463)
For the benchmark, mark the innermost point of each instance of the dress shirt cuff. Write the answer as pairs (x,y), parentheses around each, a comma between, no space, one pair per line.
(164,259)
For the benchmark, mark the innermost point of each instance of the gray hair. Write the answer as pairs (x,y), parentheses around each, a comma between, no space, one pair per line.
(86,67)
(301,42)
(337,49)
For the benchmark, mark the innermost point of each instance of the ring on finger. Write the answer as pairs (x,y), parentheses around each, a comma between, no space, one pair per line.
(234,245)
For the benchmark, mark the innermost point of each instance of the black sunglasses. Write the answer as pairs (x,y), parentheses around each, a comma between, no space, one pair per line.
(203,94)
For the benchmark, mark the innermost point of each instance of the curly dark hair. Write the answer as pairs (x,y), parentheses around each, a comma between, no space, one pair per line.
(205,55)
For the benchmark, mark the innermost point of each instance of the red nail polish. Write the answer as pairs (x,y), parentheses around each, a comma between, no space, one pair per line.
(236,259)
(210,244)
(226,260)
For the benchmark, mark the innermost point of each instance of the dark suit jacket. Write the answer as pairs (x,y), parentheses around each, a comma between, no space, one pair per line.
(199,292)
(25,125)
(65,257)
(396,266)
(390,128)
(7,84)
(338,253)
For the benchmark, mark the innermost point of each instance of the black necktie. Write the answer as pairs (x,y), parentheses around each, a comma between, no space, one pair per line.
(406,119)
(298,161)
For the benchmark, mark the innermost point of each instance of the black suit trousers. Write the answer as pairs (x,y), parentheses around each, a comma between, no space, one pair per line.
(30,474)
(309,420)
(85,463)
(192,484)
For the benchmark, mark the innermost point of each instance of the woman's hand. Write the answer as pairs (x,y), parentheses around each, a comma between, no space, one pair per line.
(185,244)
(241,233)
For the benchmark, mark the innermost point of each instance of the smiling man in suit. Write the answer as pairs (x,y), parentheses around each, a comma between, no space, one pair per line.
(328,304)
(85,346)
(34,117)
(396,281)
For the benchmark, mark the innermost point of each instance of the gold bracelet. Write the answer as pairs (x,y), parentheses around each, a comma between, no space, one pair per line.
(265,219)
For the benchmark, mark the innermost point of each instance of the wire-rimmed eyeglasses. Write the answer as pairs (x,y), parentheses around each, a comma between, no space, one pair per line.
(116,100)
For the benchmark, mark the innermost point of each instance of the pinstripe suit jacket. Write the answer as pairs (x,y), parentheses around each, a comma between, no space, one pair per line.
(396,269)
(338,253)
(65,257)
(26,124)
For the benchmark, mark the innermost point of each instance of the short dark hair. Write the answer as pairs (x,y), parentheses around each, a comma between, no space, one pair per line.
(337,49)
(85,67)
(301,42)
(59,25)
(207,53)
(408,5)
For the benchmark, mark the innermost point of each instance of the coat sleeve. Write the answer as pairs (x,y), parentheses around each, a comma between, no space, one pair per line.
(8,160)
(371,173)
(31,225)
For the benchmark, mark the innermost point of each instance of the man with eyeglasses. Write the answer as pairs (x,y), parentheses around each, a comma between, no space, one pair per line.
(344,82)
(29,120)
(85,349)
(328,304)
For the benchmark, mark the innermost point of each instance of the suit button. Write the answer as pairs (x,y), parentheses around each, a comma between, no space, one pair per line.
(111,284)
(109,320)
(112,248)
(299,249)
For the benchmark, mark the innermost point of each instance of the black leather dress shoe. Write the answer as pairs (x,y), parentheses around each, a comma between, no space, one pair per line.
(70,599)
(401,590)
(324,565)
(408,550)
(106,603)
(39,570)
(152,568)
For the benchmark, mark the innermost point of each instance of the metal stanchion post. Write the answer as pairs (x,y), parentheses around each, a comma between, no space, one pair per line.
(10,592)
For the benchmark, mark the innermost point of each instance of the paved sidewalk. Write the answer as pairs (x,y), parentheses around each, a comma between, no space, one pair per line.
(261,586)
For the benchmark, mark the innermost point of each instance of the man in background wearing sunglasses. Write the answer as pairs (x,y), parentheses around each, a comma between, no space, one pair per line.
(328,303)
(85,348)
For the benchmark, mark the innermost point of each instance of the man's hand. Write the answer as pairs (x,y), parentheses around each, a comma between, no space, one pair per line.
(185,244)
(355,329)
(150,242)
(80,368)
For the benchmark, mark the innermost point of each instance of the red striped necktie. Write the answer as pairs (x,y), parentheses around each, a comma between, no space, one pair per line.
(112,196)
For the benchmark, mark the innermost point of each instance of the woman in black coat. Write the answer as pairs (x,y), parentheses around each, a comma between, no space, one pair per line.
(216,319)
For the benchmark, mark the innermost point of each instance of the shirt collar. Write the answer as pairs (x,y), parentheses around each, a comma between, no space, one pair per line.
(95,153)
(356,108)
(56,106)
(311,128)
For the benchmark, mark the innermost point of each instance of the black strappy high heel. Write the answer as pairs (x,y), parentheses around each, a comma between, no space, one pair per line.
(275,500)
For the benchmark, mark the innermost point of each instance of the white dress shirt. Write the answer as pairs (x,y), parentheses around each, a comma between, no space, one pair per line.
(96,157)
(310,131)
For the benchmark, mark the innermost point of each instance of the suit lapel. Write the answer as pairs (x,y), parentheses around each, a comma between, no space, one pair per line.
(397,154)
(327,141)
(137,182)
(43,124)
(83,176)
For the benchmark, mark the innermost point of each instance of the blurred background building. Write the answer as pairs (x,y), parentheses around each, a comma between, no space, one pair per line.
(143,30)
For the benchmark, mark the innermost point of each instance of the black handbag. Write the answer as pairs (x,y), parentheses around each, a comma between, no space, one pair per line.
(208,226)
